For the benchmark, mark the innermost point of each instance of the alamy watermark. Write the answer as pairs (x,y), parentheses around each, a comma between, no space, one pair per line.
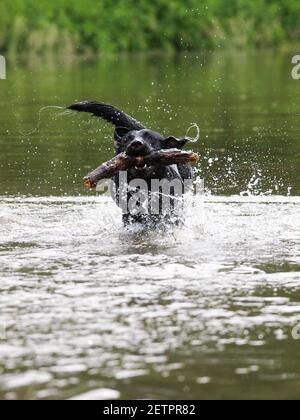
(296,331)
(296,68)
(2,67)
(155,197)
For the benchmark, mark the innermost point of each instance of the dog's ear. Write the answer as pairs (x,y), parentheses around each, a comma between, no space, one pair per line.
(174,143)
(120,132)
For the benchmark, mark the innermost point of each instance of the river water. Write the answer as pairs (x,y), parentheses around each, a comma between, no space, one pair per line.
(209,310)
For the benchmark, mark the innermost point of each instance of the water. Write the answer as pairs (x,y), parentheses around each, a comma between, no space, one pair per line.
(205,311)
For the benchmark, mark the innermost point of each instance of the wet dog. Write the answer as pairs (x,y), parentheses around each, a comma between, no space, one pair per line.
(135,139)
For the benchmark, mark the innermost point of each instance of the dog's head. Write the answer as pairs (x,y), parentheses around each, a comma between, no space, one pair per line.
(141,143)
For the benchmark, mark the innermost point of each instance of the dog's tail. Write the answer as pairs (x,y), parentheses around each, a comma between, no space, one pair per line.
(109,113)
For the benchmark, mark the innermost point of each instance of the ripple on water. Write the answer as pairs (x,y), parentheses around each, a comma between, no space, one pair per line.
(84,301)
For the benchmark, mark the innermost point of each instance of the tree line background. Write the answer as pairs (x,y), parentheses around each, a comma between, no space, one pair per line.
(92,27)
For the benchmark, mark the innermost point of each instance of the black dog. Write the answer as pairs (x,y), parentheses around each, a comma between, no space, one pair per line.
(132,137)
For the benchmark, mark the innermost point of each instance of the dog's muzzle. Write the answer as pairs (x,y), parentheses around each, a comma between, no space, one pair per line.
(138,147)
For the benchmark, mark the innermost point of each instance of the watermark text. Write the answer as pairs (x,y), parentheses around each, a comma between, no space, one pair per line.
(296,68)
(2,67)
(155,197)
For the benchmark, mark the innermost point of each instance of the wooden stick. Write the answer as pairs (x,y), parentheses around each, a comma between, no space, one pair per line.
(123,162)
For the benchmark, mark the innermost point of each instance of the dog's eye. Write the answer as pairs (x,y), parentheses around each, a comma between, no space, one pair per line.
(129,138)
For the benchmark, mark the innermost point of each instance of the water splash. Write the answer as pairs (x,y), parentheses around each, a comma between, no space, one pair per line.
(37,128)
(196,137)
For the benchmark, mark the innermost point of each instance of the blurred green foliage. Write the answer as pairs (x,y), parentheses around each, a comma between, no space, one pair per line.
(108,26)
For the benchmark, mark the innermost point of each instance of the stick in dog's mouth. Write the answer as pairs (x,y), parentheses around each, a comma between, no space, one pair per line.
(123,162)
